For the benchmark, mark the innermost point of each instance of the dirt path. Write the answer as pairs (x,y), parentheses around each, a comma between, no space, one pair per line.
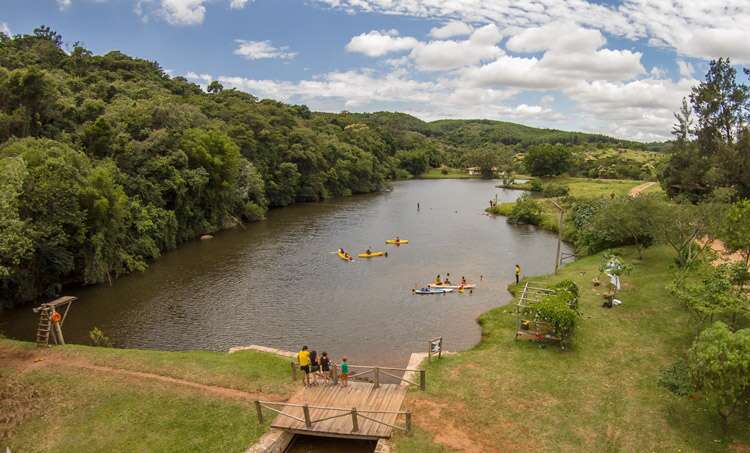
(635,191)
(37,359)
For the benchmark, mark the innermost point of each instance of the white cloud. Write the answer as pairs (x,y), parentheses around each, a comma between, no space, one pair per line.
(559,36)
(451,29)
(715,43)
(705,29)
(238,4)
(686,69)
(4,28)
(447,55)
(182,12)
(378,43)
(257,50)
(64,4)
(641,109)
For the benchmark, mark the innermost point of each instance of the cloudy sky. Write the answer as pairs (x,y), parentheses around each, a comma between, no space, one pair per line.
(616,67)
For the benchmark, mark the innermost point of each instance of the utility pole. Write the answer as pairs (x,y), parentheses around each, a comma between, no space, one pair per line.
(559,235)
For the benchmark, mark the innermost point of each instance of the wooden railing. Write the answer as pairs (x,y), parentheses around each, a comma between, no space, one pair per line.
(375,372)
(354,413)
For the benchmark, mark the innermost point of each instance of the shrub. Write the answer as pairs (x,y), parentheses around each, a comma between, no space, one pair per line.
(676,379)
(554,309)
(555,190)
(444,170)
(99,339)
(569,286)
(526,211)
(536,185)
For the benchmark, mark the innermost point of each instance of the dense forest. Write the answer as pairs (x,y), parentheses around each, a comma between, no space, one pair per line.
(107,161)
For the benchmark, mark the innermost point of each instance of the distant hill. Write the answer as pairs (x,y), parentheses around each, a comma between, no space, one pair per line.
(478,132)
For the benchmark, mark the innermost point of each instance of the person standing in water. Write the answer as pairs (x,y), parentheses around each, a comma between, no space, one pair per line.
(417,206)
(518,273)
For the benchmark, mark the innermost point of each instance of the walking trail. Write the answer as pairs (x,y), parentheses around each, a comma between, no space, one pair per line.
(637,190)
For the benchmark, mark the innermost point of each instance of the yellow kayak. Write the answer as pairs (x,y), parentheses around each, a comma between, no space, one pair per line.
(371,254)
(397,242)
(344,256)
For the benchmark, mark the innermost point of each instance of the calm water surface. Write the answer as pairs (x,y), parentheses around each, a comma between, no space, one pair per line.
(279,282)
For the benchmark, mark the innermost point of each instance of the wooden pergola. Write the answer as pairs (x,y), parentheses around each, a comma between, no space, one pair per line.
(52,316)
(527,324)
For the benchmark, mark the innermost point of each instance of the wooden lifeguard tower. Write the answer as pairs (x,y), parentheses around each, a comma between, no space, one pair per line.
(51,318)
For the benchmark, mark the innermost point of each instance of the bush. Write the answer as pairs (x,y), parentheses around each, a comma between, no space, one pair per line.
(536,185)
(526,211)
(555,190)
(444,170)
(569,286)
(676,379)
(554,309)
(99,339)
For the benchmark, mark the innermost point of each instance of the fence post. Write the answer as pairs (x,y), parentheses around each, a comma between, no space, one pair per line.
(422,380)
(408,421)
(294,371)
(335,371)
(260,412)
(377,377)
(306,411)
(355,425)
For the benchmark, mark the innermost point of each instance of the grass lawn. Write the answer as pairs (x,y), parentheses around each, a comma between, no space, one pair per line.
(52,406)
(453,173)
(601,395)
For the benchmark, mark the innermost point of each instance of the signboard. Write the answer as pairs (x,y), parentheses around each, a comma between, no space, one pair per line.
(436,348)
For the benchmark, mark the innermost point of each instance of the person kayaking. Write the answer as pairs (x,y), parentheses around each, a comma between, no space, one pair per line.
(463,281)
(398,239)
(368,252)
(437,280)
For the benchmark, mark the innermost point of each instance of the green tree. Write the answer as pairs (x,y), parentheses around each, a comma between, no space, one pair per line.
(720,104)
(547,160)
(526,211)
(735,229)
(621,221)
(487,159)
(215,87)
(715,296)
(414,161)
(683,129)
(719,364)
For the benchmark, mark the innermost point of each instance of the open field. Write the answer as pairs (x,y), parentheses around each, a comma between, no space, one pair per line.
(601,395)
(78,398)
(453,173)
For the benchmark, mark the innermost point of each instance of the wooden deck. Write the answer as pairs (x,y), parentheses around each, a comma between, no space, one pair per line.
(333,411)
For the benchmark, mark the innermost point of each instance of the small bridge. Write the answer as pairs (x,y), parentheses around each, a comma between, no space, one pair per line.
(361,410)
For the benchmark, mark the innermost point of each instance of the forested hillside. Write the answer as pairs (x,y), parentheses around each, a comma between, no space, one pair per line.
(107,161)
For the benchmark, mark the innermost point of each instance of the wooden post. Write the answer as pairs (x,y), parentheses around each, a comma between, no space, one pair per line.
(429,351)
(422,379)
(306,412)
(559,236)
(335,371)
(408,421)
(377,377)
(58,332)
(259,411)
(355,424)
(294,371)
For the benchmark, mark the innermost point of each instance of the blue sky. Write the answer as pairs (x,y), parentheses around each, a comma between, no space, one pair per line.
(616,67)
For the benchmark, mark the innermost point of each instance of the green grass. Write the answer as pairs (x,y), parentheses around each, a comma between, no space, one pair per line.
(453,173)
(601,394)
(70,408)
(78,412)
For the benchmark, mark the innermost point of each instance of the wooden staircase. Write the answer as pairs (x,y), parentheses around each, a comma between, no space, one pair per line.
(42,330)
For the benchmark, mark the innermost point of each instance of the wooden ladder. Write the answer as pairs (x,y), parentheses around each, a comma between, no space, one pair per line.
(42,330)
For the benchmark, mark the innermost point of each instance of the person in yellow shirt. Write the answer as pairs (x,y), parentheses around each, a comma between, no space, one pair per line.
(518,273)
(303,358)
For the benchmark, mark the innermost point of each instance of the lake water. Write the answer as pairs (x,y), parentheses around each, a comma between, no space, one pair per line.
(279,282)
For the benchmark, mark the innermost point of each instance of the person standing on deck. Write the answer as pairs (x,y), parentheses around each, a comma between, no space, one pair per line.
(518,273)
(303,358)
